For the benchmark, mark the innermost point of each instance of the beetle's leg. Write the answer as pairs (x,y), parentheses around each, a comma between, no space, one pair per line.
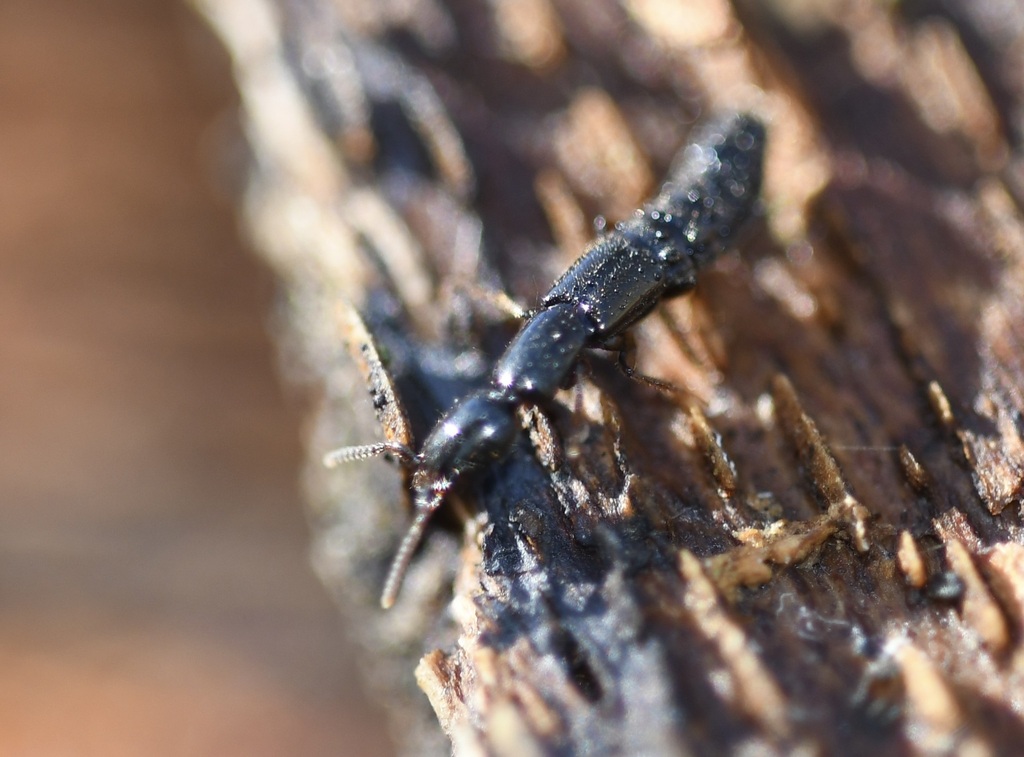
(624,345)
(660,384)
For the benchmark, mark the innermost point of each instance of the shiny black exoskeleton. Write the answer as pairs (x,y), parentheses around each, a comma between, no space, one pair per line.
(710,194)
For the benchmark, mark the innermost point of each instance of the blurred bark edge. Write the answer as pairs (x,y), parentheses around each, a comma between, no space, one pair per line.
(814,544)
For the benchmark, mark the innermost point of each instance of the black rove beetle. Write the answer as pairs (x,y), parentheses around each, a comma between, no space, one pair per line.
(709,195)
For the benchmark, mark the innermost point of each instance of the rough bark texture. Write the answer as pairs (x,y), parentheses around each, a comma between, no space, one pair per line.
(814,546)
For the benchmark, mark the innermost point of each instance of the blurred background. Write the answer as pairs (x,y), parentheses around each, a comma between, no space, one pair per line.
(155,591)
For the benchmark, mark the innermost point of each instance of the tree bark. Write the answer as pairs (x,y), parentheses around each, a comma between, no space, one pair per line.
(813,544)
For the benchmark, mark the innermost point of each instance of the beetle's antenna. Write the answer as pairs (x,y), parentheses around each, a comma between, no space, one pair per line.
(425,507)
(336,457)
